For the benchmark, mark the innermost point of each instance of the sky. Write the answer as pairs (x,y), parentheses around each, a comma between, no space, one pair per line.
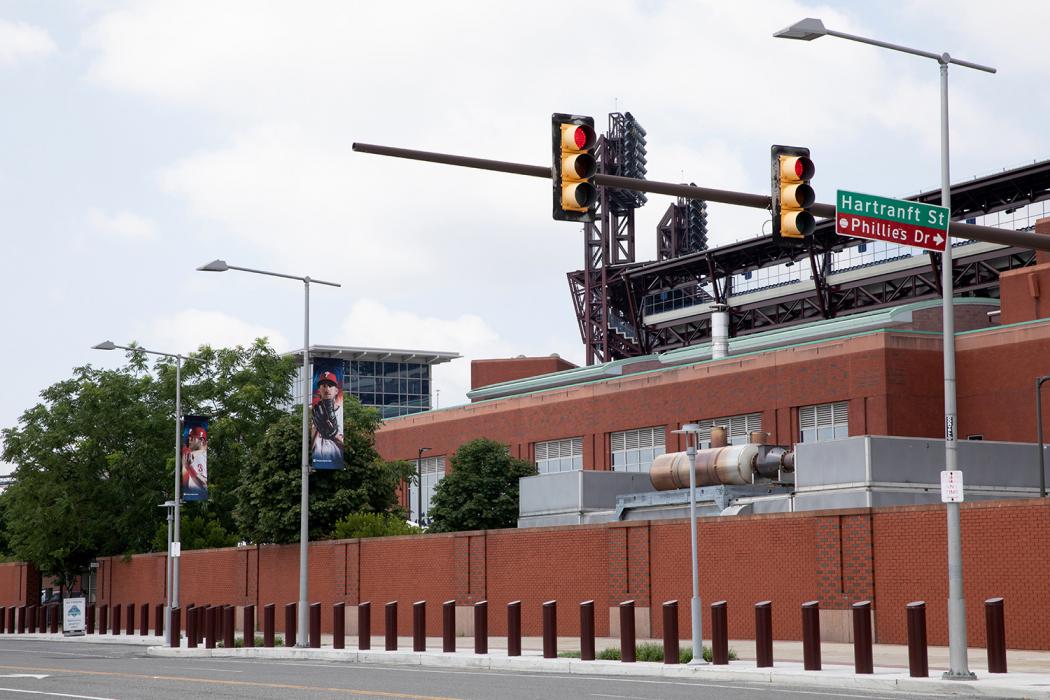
(139,140)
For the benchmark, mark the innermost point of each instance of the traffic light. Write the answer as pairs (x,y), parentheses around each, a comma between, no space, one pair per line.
(791,171)
(572,142)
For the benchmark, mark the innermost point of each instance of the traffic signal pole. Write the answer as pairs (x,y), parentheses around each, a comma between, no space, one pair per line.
(986,234)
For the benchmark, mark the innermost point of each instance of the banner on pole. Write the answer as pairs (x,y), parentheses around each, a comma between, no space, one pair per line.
(326,425)
(195,458)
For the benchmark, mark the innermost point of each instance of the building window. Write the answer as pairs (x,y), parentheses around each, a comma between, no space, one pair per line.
(559,455)
(737,428)
(433,469)
(635,450)
(394,388)
(823,422)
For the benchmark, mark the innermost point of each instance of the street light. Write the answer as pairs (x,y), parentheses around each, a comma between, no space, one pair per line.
(169,506)
(694,605)
(174,543)
(302,639)
(419,485)
(1039,431)
(958,668)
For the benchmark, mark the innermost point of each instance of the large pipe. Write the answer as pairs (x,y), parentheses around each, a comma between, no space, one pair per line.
(719,331)
(730,465)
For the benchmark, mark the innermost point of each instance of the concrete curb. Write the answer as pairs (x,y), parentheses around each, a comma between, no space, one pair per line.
(1016,685)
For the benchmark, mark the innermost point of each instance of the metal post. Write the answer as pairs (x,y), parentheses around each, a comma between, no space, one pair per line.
(671,652)
(167,599)
(587,630)
(419,488)
(514,628)
(1039,432)
(304,501)
(175,551)
(698,651)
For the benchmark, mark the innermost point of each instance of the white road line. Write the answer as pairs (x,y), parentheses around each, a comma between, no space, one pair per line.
(214,670)
(54,695)
(38,652)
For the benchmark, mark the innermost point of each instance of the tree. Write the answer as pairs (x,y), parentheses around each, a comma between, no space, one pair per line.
(481,492)
(269,495)
(373,525)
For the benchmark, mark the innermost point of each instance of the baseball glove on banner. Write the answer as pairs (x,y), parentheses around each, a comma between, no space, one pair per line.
(325,419)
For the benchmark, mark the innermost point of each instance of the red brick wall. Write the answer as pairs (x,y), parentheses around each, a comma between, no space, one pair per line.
(486,372)
(20,584)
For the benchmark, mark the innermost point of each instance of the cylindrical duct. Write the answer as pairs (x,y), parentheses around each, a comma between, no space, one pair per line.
(718,436)
(730,465)
(719,331)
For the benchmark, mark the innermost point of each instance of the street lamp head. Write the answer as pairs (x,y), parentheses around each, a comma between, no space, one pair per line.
(104,345)
(214,266)
(804,30)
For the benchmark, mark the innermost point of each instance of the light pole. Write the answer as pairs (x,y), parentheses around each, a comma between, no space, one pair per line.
(174,544)
(1039,431)
(168,506)
(807,30)
(419,485)
(694,605)
(302,638)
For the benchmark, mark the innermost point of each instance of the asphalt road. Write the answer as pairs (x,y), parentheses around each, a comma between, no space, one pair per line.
(69,669)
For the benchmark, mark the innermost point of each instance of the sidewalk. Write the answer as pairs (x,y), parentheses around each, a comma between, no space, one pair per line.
(1029,675)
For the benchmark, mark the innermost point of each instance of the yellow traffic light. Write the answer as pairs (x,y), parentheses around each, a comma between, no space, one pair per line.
(573,140)
(792,195)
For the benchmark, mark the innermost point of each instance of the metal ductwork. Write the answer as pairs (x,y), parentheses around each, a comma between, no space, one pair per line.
(722,466)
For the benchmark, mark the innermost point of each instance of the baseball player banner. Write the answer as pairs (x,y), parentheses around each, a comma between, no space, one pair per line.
(194,458)
(326,429)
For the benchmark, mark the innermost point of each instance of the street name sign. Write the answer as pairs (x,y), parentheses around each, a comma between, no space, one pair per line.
(951,486)
(891,220)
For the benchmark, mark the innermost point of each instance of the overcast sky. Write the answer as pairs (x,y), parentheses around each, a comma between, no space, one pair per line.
(139,140)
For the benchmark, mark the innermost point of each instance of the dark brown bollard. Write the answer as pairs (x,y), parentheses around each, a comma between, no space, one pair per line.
(811,635)
(719,633)
(144,619)
(12,614)
(862,659)
(550,629)
(249,625)
(419,625)
(996,631)
(192,620)
(587,630)
(390,626)
(201,611)
(448,627)
(210,625)
(671,649)
(175,640)
(764,634)
(514,628)
(627,640)
(89,620)
(339,626)
(269,615)
(3,617)
(103,620)
(228,629)
(481,627)
(23,615)
(130,609)
(315,625)
(56,615)
(918,653)
(31,615)
(158,620)
(41,617)
(220,622)
(364,626)
(114,623)
(290,624)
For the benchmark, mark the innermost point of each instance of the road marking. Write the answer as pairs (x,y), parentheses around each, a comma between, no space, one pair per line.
(54,695)
(38,652)
(38,676)
(625,697)
(201,668)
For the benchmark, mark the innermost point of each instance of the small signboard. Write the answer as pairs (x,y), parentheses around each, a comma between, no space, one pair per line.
(891,220)
(176,549)
(951,487)
(73,610)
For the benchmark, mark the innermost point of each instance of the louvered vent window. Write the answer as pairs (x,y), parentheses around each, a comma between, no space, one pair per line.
(635,450)
(737,428)
(559,455)
(433,469)
(823,422)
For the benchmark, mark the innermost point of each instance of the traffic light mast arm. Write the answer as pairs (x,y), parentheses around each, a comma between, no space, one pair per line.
(986,234)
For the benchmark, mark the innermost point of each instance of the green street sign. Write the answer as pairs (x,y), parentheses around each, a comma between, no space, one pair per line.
(892,220)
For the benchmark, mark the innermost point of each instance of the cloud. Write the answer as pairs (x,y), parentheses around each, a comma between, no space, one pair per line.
(22,42)
(187,330)
(123,225)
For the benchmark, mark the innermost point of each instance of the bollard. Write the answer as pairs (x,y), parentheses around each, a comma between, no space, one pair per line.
(315,625)
(40,619)
(289,624)
(269,613)
(55,616)
(176,628)
(114,623)
(339,626)
(22,619)
(862,660)
(31,614)
(550,629)
(419,625)
(158,620)
(220,622)
(12,614)
(144,619)
(210,613)
(587,630)
(514,628)
(719,633)
(3,618)
(130,608)
(448,627)
(89,620)
(201,611)
(627,632)
(390,626)
(671,649)
(364,626)
(191,627)
(811,635)
(249,626)
(764,634)
(481,627)
(995,627)
(918,653)
(228,631)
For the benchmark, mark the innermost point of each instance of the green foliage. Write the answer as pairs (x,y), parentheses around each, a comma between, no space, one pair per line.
(195,532)
(651,651)
(481,492)
(372,525)
(268,498)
